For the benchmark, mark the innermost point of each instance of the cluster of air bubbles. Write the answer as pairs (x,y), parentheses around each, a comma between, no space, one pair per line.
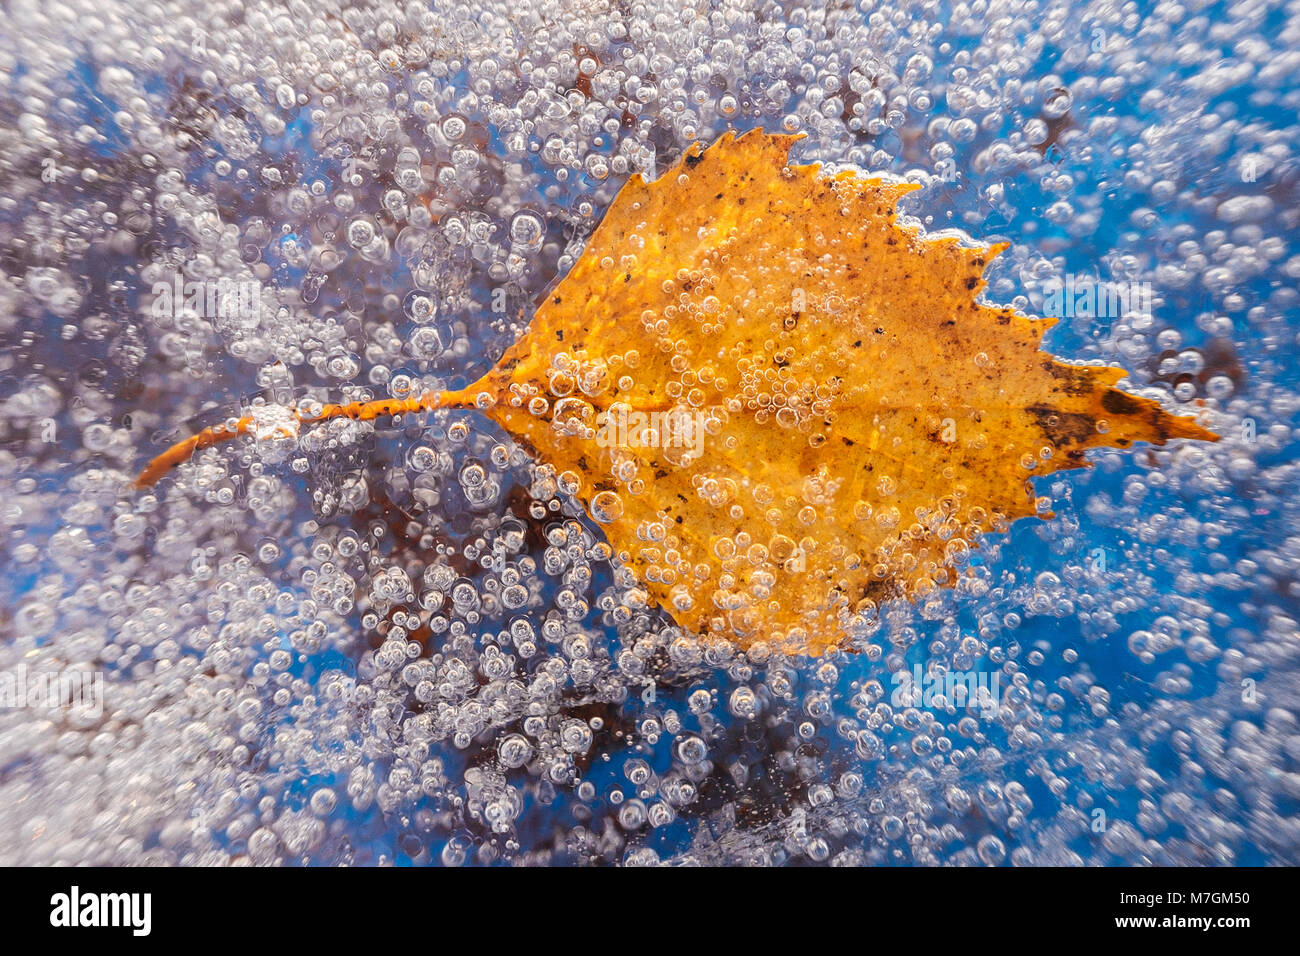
(407,640)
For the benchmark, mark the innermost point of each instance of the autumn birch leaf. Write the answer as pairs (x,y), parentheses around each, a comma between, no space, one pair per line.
(782,406)
(864,418)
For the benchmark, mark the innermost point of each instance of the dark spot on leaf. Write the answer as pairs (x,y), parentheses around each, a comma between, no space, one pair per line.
(1117,403)
(1063,428)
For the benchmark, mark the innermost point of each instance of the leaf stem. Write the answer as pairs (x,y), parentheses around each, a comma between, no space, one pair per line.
(357,411)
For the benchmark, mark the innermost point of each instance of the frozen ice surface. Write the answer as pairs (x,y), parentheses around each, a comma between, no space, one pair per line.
(401,642)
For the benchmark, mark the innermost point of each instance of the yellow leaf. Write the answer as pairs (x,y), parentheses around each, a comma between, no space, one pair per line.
(782,406)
